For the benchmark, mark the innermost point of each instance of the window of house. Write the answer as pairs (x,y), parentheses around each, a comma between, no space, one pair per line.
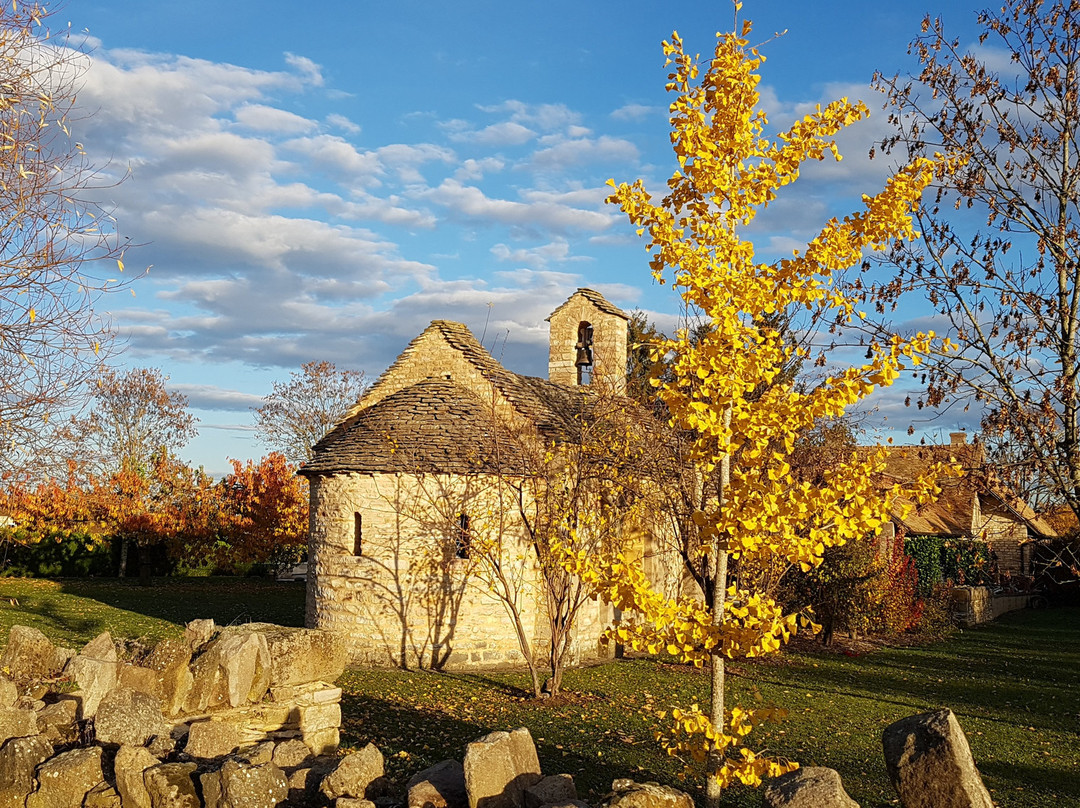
(464,537)
(583,358)
(358,535)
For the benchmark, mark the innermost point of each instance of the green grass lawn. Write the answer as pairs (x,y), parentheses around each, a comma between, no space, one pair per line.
(74,611)
(1015,686)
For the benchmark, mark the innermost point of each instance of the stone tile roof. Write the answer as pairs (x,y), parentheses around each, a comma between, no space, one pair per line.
(434,426)
(597,300)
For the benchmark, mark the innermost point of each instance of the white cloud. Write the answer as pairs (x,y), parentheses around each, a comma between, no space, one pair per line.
(311,72)
(635,112)
(342,123)
(271,119)
(557,251)
(585,151)
(211,397)
(506,133)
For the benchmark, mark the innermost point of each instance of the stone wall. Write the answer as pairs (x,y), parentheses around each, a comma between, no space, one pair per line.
(975,605)
(1005,534)
(407,598)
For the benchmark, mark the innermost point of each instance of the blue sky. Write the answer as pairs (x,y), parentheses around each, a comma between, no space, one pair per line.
(320,182)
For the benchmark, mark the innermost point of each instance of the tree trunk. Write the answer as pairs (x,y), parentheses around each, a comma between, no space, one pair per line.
(719,596)
(123,557)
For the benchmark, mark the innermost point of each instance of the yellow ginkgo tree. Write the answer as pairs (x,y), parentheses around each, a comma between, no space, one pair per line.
(725,387)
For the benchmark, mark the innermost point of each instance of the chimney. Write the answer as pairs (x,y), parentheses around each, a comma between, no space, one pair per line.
(958,438)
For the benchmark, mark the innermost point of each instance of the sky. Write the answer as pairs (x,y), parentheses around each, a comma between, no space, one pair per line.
(319,182)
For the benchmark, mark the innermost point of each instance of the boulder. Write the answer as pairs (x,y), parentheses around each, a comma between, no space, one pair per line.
(130,764)
(354,774)
(627,793)
(554,789)
(439,786)
(240,785)
(102,796)
(94,670)
(304,782)
(930,763)
(172,785)
(258,754)
(29,654)
(498,769)
(299,655)
(807,787)
(17,723)
(9,692)
(19,759)
(170,660)
(65,780)
(291,754)
(353,802)
(199,632)
(127,716)
(145,680)
(57,721)
(212,739)
(232,670)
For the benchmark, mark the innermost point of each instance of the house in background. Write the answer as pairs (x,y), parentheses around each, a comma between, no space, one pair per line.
(422,465)
(974,506)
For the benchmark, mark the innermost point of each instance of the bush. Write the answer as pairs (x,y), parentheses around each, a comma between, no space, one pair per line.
(57,554)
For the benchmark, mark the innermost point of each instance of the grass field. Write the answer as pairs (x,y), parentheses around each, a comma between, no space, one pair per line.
(1015,686)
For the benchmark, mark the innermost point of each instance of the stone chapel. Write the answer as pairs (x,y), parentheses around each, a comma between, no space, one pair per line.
(399,484)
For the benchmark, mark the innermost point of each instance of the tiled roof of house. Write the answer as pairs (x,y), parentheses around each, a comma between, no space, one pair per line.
(434,426)
(597,300)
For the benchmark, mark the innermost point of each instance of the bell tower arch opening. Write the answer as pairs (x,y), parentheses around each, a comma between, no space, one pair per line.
(588,342)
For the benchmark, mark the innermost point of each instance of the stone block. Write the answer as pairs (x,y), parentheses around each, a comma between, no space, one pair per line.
(65,780)
(95,670)
(323,741)
(130,764)
(172,785)
(19,759)
(240,785)
(145,680)
(102,796)
(127,716)
(199,632)
(930,764)
(57,721)
(555,789)
(299,655)
(489,772)
(9,692)
(291,754)
(17,723)
(807,787)
(321,716)
(439,786)
(212,739)
(630,794)
(354,774)
(29,654)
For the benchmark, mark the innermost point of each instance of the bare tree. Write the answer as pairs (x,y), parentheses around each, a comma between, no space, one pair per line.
(299,412)
(998,259)
(51,237)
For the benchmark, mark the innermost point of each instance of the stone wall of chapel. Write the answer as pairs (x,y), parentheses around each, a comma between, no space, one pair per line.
(609,344)
(407,598)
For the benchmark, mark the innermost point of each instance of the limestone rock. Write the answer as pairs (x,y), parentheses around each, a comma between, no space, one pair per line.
(9,692)
(440,786)
(354,774)
(57,721)
(170,660)
(240,785)
(299,655)
(291,754)
(171,785)
(130,764)
(807,787)
(212,739)
(353,802)
(94,670)
(630,794)
(19,759)
(930,763)
(29,654)
(102,796)
(127,716)
(232,670)
(304,782)
(555,789)
(17,723)
(258,754)
(145,680)
(499,767)
(199,632)
(63,781)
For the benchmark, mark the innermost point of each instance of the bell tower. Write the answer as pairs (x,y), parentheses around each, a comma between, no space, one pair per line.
(588,342)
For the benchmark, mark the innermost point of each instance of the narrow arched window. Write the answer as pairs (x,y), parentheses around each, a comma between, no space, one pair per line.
(583,357)
(463,540)
(358,535)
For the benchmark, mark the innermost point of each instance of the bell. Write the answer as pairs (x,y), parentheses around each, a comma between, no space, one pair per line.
(584,355)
